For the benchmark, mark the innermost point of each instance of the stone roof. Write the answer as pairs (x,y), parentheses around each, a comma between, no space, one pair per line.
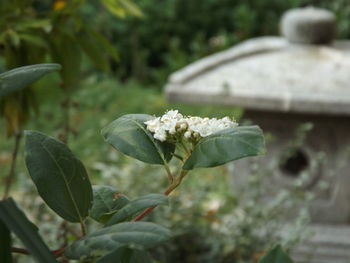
(272,74)
(269,73)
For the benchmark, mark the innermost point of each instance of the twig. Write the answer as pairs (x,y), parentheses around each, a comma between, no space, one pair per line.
(166,192)
(57,253)
(170,175)
(83,228)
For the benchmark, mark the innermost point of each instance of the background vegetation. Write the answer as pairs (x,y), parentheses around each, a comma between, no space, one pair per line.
(135,54)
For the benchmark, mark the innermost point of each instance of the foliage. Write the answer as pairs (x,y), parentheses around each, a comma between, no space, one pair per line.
(15,81)
(62,182)
(174,33)
(17,222)
(67,190)
(34,32)
(276,255)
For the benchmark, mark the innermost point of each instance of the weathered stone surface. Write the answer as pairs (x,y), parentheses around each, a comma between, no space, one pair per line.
(308,25)
(328,244)
(282,85)
(269,74)
(325,149)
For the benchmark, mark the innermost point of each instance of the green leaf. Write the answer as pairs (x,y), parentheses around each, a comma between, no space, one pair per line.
(26,231)
(108,46)
(93,50)
(29,23)
(108,239)
(59,176)
(66,51)
(126,255)
(5,244)
(19,78)
(130,8)
(129,135)
(107,201)
(121,8)
(35,40)
(225,146)
(276,255)
(136,206)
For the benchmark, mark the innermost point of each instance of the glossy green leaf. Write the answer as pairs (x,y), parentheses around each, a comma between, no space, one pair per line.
(225,146)
(19,78)
(27,232)
(107,201)
(136,206)
(108,239)
(276,255)
(126,255)
(129,135)
(59,176)
(5,244)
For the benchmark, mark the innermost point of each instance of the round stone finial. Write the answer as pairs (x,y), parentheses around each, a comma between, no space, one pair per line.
(308,25)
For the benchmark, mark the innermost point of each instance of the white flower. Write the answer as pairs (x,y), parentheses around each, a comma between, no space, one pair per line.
(187,134)
(153,124)
(173,125)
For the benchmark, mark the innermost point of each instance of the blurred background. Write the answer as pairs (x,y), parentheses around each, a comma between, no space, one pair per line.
(117,56)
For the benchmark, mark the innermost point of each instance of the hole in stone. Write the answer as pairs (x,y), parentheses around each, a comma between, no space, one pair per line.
(295,164)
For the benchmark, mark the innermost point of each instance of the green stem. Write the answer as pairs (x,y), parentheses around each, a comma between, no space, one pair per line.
(170,175)
(83,228)
(187,151)
(11,175)
(171,188)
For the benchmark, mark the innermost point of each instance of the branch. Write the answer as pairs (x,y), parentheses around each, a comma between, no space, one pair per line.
(57,253)
(166,192)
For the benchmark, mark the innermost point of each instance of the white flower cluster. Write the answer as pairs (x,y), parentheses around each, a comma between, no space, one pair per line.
(173,125)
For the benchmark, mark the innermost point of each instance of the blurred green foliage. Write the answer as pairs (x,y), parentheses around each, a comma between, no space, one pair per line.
(169,35)
(173,33)
(33,32)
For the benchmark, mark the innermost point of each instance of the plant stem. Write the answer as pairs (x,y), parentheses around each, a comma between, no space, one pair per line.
(170,175)
(20,251)
(57,253)
(187,151)
(83,228)
(11,175)
(171,188)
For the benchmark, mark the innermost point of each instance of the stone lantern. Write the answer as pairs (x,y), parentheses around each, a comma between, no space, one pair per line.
(283,83)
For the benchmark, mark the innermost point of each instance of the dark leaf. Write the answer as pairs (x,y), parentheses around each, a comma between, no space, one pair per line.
(26,231)
(107,201)
(276,255)
(126,255)
(136,206)
(129,135)
(5,244)
(108,239)
(59,176)
(225,146)
(19,78)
